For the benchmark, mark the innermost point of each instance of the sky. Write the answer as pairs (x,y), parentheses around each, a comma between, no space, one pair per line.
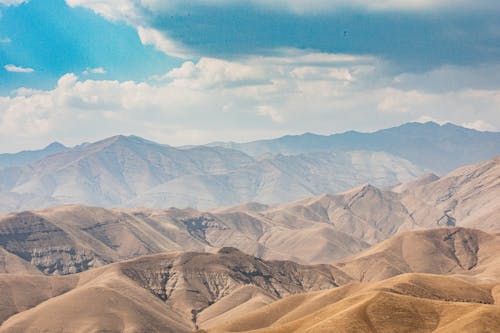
(191,72)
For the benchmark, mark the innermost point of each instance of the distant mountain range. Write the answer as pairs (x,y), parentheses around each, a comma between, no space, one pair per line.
(133,172)
(30,156)
(128,171)
(439,148)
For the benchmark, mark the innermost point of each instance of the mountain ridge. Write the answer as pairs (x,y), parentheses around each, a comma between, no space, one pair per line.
(439,148)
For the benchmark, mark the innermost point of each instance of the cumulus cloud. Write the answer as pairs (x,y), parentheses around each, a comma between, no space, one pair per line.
(151,19)
(136,14)
(479,125)
(245,99)
(18,69)
(162,42)
(131,8)
(97,70)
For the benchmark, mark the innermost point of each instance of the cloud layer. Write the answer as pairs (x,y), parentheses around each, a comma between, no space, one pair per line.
(291,91)
(18,69)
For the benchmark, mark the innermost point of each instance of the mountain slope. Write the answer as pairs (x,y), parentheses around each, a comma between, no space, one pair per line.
(467,252)
(407,303)
(71,239)
(320,229)
(429,145)
(230,291)
(130,171)
(30,156)
(466,197)
(162,293)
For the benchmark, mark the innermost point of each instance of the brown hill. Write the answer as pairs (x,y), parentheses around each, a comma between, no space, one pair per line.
(466,197)
(406,303)
(159,293)
(71,239)
(229,291)
(437,251)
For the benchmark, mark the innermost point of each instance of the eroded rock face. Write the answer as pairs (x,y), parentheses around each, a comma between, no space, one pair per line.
(463,247)
(45,245)
(194,281)
(65,260)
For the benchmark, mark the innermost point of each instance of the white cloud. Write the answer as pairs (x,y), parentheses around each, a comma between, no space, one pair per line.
(5,40)
(132,10)
(271,112)
(97,70)
(479,125)
(134,13)
(140,13)
(17,69)
(255,97)
(162,42)
(315,6)
(12,2)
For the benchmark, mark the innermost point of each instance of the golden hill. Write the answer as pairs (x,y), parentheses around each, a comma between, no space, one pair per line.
(406,303)
(230,291)
(159,293)
(437,251)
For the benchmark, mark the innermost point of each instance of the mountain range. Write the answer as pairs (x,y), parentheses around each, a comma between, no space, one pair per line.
(438,148)
(133,172)
(229,291)
(321,229)
(30,156)
(128,171)
(407,258)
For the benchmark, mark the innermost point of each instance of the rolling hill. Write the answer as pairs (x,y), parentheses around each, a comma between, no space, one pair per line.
(160,293)
(229,291)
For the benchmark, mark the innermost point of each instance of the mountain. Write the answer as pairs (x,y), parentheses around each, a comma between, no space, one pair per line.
(130,171)
(161,293)
(460,251)
(439,148)
(229,291)
(407,303)
(72,238)
(466,197)
(30,156)
(459,291)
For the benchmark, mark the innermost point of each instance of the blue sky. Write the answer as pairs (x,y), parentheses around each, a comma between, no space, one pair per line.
(54,39)
(240,70)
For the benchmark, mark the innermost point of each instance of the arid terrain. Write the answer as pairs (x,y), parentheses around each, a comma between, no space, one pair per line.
(447,280)
(249,166)
(419,257)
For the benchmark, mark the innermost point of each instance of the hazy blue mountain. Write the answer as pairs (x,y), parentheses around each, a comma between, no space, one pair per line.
(440,148)
(30,156)
(130,171)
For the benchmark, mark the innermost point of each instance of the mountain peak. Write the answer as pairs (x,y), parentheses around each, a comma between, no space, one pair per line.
(55,146)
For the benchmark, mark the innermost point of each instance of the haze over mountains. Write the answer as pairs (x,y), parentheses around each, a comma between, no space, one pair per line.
(389,256)
(132,172)
(373,275)
(30,156)
(439,148)
(319,229)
